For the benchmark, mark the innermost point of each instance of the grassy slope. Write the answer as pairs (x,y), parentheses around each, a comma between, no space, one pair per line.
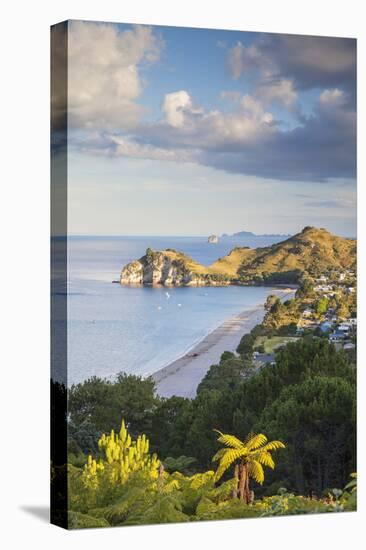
(230,264)
(311,249)
(270,344)
(189,262)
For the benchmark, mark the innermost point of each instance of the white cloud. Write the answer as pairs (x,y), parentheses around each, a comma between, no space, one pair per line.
(245,140)
(178,107)
(103,79)
(242,59)
(174,105)
(190,127)
(185,132)
(268,86)
(254,109)
(217,129)
(333,97)
(126,147)
(281,91)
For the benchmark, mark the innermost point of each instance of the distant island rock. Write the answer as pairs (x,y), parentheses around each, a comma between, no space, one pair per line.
(213,239)
(312,251)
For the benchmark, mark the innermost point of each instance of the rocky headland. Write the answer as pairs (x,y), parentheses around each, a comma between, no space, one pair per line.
(309,253)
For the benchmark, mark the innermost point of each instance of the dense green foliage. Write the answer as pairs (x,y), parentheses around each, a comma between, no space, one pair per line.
(97,405)
(318,417)
(127,485)
(321,306)
(307,399)
(282,315)
(227,374)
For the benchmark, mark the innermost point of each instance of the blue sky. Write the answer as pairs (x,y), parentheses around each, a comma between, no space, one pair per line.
(193,59)
(192,131)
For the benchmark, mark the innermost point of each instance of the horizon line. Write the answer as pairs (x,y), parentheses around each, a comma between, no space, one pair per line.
(206,235)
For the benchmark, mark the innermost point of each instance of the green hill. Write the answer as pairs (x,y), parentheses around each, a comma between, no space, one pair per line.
(313,251)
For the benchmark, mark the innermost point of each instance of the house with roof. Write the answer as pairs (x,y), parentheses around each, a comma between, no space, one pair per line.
(349,346)
(337,336)
(261,359)
(326,327)
(307,312)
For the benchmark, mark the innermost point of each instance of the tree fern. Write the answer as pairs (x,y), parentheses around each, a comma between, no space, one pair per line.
(252,454)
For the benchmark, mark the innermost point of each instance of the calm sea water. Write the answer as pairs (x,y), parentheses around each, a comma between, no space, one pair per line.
(113,328)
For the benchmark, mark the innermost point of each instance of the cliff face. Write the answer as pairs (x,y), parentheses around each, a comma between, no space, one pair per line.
(132,273)
(167,268)
(158,269)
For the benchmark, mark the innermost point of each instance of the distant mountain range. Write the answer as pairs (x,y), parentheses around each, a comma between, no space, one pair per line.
(249,234)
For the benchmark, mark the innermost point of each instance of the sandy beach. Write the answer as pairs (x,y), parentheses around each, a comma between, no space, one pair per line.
(182,376)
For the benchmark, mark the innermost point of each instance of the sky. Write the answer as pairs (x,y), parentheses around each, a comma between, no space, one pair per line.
(178,131)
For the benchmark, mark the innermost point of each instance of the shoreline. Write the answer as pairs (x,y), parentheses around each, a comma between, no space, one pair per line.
(182,376)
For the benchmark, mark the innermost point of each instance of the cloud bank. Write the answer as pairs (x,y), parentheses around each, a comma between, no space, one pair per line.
(247,138)
(308,61)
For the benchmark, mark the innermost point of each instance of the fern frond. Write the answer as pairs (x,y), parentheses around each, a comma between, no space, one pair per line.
(171,486)
(256,441)
(248,438)
(219,454)
(229,440)
(199,480)
(273,446)
(255,470)
(227,460)
(265,458)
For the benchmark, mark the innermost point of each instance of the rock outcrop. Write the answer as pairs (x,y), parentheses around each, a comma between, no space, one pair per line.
(167,268)
(213,239)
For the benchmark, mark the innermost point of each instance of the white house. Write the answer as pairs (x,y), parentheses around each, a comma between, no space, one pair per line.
(307,312)
(336,336)
(344,327)
(323,288)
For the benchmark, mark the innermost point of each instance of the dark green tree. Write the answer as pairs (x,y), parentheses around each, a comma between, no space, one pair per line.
(316,417)
(104,403)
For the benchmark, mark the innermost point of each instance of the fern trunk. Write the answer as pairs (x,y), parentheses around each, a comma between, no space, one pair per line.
(247,490)
(243,485)
(236,477)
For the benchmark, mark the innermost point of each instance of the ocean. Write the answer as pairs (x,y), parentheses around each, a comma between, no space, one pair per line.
(113,328)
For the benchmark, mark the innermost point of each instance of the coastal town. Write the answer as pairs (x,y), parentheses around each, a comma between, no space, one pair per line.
(323,307)
(334,311)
